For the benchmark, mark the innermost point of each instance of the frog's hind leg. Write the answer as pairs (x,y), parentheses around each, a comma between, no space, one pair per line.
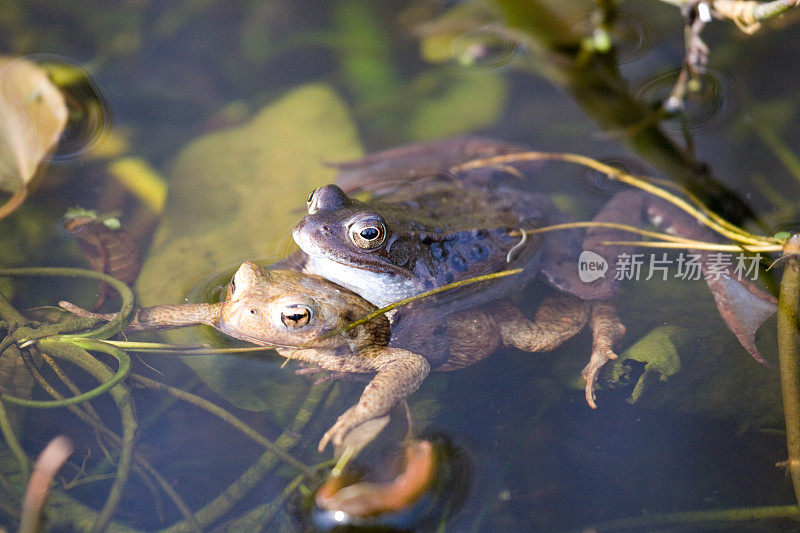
(558,318)
(606,330)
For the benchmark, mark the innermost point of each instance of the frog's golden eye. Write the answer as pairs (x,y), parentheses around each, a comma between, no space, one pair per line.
(368,233)
(295,316)
(310,201)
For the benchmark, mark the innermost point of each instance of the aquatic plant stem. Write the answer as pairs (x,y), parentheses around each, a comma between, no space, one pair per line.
(743,514)
(109,329)
(227,417)
(383,310)
(92,419)
(80,344)
(13,444)
(121,396)
(239,488)
(618,175)
(789,363)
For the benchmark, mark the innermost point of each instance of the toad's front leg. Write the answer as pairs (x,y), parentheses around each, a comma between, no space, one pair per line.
(399,373)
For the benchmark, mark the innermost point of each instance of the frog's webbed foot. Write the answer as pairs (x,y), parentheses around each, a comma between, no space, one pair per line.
(558,318)
(606,330)
(399,373)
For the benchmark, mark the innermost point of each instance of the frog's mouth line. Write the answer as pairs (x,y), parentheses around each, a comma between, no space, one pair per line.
(373,269)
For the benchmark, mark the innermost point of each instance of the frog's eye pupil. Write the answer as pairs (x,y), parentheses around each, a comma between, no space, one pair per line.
(295,316)
(253,311)
(370,233)
(310,196)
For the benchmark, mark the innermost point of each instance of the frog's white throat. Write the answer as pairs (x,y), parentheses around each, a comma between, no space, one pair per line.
(379,288)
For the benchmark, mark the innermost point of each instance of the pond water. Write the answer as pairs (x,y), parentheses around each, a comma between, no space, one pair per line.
(204,125)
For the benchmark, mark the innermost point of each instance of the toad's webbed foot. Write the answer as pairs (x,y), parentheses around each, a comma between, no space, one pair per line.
(606,330)
(399,373)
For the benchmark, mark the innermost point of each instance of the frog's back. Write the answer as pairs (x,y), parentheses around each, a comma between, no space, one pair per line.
(462,231)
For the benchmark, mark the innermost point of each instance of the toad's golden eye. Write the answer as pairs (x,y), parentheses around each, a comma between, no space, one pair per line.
(295,316)
(368,233)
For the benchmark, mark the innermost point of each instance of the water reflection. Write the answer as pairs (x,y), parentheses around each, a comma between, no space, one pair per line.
(542,458)
(89,112)
(711,100)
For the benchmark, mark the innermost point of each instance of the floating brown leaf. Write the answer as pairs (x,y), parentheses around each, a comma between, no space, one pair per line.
(32,116)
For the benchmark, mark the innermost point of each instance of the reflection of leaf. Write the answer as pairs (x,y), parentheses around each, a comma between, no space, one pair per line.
(234,195)
(465,102)
(32,116)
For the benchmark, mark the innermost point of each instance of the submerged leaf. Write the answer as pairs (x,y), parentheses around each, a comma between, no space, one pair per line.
(32,116)
(657,351)
(233,196)
(106,247)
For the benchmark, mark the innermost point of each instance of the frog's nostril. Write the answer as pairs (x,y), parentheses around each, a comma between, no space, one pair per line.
(325,229)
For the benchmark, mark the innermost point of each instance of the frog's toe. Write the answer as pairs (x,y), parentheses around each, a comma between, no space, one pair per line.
(606,330)
(600,356)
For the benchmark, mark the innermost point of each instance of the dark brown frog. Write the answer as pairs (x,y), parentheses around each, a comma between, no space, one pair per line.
(433,231)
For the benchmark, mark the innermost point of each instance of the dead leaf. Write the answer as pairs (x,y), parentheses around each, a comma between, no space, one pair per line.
(33,115)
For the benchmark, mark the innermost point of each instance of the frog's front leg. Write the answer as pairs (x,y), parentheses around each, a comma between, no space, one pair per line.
(399,373)
(606,330)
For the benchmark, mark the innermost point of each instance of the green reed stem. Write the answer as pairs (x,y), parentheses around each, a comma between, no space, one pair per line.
(109,329)
(64,379)
(789,363)
(383,310)
(122,372)
(91,418)
(256,519)
(709,220)
(162,348)
(744,514)
(121,395)
(227,417)
(239,488)
(13,444)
